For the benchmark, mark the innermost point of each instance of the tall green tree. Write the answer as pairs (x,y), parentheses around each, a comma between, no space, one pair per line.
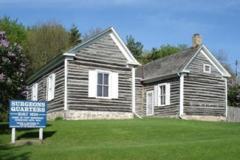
(15,31)
(13,65)
(163,51)
(45,41)
(75,36)
(135,47)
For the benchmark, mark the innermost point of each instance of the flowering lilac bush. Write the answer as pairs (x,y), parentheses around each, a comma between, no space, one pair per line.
(13,64)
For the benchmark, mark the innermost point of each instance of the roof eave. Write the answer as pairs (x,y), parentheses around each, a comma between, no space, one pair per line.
(49,66)
(158,78)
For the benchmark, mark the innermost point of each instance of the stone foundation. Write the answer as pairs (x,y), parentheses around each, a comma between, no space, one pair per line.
(204,118)
(54,115)
(88,115)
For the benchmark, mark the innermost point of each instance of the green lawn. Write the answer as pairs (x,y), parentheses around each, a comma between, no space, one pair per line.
(147,139)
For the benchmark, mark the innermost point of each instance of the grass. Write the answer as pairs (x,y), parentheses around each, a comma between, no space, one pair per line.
(147,139)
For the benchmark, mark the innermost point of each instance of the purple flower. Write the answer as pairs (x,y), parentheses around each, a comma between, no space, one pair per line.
(4,43)
(2,77)
(11,54)
(6,60)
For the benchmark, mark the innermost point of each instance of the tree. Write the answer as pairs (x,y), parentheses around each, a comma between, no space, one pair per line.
(75,36)
(15,31)
(163,51)
(234,95)
(135,47)
(92,32)
(45,41)
(13,65)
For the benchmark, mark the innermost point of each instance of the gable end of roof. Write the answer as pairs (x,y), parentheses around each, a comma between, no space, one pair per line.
(212,59)
(118,41)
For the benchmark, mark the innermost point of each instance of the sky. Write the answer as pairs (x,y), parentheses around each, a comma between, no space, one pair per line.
(152,22)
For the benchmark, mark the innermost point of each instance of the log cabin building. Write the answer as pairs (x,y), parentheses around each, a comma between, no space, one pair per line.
(100,79)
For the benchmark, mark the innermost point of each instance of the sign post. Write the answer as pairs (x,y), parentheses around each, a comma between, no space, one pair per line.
(40,134)
(13,138)
(27,114)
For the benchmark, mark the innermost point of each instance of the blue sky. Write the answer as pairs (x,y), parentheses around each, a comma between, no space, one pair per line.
(152,22)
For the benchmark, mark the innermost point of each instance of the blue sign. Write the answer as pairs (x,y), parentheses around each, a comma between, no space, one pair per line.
(27,114)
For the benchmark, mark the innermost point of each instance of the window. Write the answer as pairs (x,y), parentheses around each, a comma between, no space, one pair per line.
(102,84)
(206,68)
(35,92)
(50,87)
(162,94)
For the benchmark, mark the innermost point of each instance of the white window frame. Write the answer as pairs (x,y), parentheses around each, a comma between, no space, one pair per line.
(103,72)
(150,92)
(204,68)
(34,95)
(159,95)
(167,95)
(113,83)
(50,94)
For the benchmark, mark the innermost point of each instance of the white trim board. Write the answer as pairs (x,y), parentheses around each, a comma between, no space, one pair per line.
(226,97)
(133,91)
(181,106)
(126,52)
(65,84)
(66,60)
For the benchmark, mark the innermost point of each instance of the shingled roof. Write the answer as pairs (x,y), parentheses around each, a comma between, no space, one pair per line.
(167,66)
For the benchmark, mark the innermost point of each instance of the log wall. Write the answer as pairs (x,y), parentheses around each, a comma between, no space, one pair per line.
(168,110)
(204,93)
(57,104)
(102,54)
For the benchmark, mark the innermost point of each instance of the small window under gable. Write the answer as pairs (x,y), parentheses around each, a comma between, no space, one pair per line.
(207,68)
(34,92)
(50,87)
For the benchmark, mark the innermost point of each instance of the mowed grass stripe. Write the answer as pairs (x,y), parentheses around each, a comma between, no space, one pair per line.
(152,138)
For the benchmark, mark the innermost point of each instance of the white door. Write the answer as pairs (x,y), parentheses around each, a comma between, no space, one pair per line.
(149,103)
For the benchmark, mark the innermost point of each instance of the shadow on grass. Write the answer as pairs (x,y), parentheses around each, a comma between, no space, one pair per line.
(35,134)
(8,152)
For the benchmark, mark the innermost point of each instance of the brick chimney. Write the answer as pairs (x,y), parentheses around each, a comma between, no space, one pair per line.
(196,40)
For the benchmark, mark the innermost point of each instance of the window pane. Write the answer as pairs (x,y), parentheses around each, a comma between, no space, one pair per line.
(100,78)
(163,90)
(207,68)
(106,79)
(163,95)
(105,91)
(99,91)
(163,100)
